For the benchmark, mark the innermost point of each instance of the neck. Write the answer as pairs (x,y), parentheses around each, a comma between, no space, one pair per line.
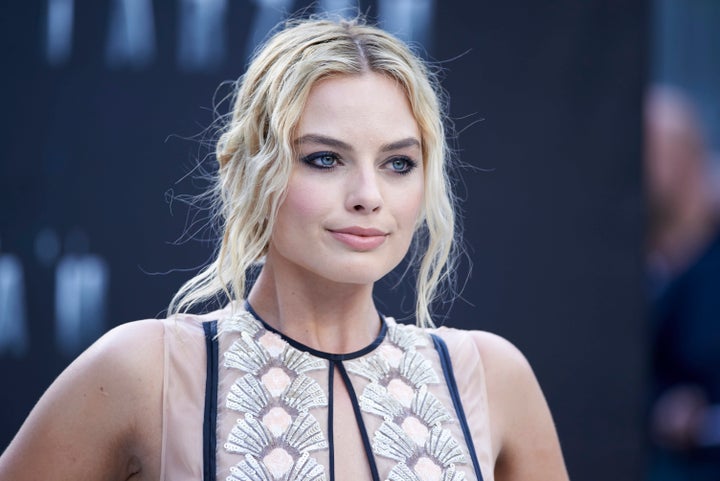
(321,314)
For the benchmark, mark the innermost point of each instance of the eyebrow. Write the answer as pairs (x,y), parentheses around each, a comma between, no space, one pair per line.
(324,140)
(339,144)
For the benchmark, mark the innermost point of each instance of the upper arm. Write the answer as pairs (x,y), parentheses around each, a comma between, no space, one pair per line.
(528,446)
(94,421)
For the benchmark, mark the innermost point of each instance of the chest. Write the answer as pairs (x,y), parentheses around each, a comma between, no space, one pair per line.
(278,411)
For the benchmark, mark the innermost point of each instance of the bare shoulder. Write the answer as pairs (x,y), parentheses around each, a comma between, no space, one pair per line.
(101,417)
(124,364)
(499,353)
(523,430)
(129,346)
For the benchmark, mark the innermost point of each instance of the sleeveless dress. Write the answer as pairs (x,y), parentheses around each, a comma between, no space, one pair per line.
(243,402)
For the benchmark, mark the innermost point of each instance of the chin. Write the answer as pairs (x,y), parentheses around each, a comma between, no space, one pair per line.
(357,276)
(360,272)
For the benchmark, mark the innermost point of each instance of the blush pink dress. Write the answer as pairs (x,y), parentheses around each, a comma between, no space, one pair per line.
(242,402)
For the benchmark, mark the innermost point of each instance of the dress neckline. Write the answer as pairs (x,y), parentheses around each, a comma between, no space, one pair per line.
(322,354)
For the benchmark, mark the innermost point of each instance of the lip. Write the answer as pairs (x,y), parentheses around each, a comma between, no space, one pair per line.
(360,239)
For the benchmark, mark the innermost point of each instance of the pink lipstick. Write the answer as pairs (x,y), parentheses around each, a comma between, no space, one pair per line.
(359,238)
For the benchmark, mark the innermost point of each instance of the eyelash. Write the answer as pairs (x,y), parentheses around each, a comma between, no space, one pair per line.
(410,164)
(315,156)
(311,160)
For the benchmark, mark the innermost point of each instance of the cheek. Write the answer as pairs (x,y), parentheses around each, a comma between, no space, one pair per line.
(302,201)
(409,207)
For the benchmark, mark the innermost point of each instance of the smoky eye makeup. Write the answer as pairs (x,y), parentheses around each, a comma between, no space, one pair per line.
(323,160)
(401,164)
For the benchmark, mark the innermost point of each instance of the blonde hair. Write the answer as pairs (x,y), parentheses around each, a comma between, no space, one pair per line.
(255,151)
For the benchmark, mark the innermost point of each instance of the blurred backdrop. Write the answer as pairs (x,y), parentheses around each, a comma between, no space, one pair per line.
(105,111)
(682,138)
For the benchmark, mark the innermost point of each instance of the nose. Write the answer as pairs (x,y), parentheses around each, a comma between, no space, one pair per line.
(364,193)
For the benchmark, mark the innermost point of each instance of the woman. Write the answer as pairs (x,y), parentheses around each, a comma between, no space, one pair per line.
(332,165)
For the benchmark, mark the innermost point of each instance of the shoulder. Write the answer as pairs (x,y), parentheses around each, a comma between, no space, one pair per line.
(497,366)
(127,360)
(132,338)
(511,383)
(505,368)
(501,358)
(498,357)
(101,417)
(523,433)
(128,357)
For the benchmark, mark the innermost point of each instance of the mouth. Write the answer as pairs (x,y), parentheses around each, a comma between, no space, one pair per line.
(360,239)
(360,231)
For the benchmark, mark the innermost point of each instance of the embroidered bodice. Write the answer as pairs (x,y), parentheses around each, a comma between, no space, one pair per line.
(268,407)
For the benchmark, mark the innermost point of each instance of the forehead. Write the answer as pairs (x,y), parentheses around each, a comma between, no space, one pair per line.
(369,104)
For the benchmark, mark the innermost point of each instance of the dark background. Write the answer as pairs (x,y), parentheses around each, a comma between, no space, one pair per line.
(546,100)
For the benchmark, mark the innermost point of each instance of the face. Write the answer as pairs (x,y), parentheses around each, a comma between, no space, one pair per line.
(356,189)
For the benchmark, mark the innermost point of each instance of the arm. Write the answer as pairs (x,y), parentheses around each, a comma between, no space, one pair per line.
(100,419)
(523,429)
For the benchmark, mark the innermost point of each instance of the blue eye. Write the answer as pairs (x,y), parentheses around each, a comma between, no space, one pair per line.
(401,165)
(322,160)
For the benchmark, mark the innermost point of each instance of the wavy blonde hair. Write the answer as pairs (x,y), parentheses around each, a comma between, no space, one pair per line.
(255,151)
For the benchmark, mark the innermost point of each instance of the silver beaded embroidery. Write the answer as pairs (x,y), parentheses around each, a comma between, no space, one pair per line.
(391,441)
(241,322)
(404,338)
(428,408)
(376,368)
(401,472)
(247,394)
(304,393)
(307,469)
(443,447)
(301,362)
(304,434)
(411,432)
(452,474)
(277,432)
(249,437)
(416,369)
(246,355)
(249,469)
(375,400)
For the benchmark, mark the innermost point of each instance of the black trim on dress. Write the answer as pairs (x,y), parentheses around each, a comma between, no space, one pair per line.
(359,420)
(322,354)
(446,364)
(211,393)
(331,421)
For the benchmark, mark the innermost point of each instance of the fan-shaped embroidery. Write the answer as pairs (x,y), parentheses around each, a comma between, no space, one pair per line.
(443,447)
(452,474)
(416,369)
(405,337)
(240,322)
(279,430)
(304,434)
(376,400)
(247,394)
(428,408)
(401,472)
(374,368)
(246,355)
(301,362)
(304,393)
(249,469)
(248,436)
(307,469)
(391,441)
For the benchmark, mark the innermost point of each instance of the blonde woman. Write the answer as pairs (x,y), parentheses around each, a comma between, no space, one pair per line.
(332,165)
